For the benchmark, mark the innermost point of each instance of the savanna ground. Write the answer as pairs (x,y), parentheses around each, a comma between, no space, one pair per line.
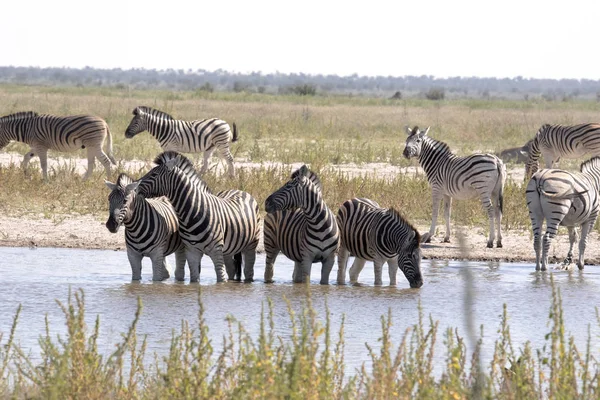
(354,143)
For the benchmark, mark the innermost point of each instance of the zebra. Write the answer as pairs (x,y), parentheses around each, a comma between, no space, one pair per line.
(563,198)
(371,233)
(566,141)
(301,226)
(151,229)
(515,154)
(453,177)
(220,226)
(185,136)
(48,132)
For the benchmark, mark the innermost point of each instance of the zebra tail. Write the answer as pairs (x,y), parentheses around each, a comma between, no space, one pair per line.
(501,179)
(235,133)
(109,148)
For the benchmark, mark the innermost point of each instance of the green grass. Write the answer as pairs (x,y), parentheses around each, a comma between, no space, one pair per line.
(308,364)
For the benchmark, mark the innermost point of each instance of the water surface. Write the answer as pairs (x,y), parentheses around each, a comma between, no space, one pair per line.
(36,278)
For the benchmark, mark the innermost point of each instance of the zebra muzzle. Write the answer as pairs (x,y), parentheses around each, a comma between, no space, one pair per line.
(112,225)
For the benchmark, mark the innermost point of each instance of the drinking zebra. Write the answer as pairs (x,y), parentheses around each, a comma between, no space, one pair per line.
(453,177)
(49,132)
(563,198)
(185,136)
(151,229)
(220,226)
(556,141)
(301,226)
(371,233)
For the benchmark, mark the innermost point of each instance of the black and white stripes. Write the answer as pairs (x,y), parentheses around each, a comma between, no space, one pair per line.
(563,198)
(371,233)
(185,136)
(453,177)
(151,229)
(562,141)
(220,226)
(49,132)
(300,225)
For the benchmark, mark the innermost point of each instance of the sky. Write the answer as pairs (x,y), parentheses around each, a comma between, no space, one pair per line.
(529,38)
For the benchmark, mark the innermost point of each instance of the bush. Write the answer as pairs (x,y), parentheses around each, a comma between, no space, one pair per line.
(435,94)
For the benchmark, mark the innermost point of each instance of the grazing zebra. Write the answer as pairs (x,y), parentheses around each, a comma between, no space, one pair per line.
(220,226)
(515,154)
(185,136)
(151,229)
(301,226)
(371,233)
(563,198)
(556,141)
(453,177)
(49,132)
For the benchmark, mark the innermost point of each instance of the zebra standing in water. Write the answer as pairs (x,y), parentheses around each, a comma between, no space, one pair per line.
(185,136)
(371,233)
(301,226)
(563,198)
(49,132)
(556,141)
(151,229)
(220,226)
(461,178)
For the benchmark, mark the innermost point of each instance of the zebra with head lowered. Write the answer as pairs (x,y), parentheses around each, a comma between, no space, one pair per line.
(151,229)
(371,233)
(49,132)
(461,178)
(563,198)
(185,136)
(220,226)
(301,226)
(556,141)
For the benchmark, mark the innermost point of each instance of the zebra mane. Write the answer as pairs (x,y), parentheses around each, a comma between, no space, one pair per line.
(123,180)
(152,111)
(593,163)
(311,176)
(184,164)
(396,214)
(19,115)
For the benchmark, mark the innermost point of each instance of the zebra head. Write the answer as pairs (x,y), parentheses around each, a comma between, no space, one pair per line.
(138,124)
(292,194)
(533,153)
(120,198)
(409,249)
(11,125)
(414,142)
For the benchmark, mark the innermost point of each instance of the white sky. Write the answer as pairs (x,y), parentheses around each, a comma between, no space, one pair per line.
(531,38)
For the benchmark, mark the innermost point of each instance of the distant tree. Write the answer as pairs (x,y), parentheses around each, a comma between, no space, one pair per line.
(435,94)
(304,90)
(396,96)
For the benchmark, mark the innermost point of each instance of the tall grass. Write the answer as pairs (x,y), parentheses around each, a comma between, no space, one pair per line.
(309,364)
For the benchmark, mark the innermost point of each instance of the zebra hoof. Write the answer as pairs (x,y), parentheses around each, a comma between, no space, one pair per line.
(490,245)
(580,266)
(447,240)
(426,238)
(499,244)
(248,280)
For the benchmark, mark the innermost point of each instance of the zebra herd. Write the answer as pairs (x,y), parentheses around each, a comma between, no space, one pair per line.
(171,210)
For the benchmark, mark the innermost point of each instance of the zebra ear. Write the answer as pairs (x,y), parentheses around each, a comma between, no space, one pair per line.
(111,186)
(136,111)
(132,186)
(171,162)
(408,130)
(426,131)
(303,171)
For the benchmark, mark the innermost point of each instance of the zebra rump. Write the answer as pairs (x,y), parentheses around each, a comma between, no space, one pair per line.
(151,228)
(49,132)
(371,233)
(563,198)
(197,136)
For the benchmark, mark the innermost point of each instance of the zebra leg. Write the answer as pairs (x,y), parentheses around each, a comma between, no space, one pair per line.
(216,255)
(447,210)
(180,264)
(194,258)
(135,260)
(159,268)
(551,229)
(572,240)
(272,253)
(206,156)
(326,267)
(585,229)
(356,268)
(43,155)
(229,267)
(342,263)
(226,154)
(499,222)
(486,202)
(103,158)
(249,260)
(393,269)
(25,164)
(91,162)
(435,197)
(297,274)
(537,220)
(378,268)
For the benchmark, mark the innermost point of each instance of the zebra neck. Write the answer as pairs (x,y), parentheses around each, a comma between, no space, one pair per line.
(135,211)
(316,209)
(433,154)
(18,131)
(187,198)
(160,128)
